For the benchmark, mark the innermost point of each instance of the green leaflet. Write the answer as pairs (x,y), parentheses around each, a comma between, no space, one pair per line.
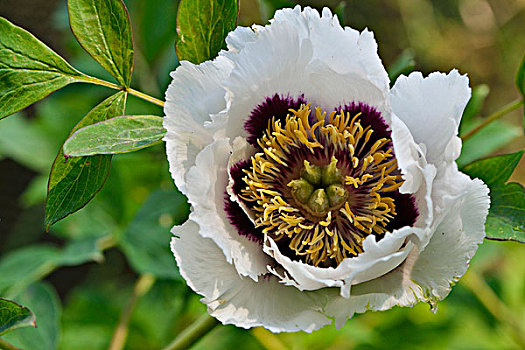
(74,182)
(496,170)
(43,300)
(520,83)
(506,220)
(103,29)
(473,107)
(520,77)
(29,70)
(116,135)
(146,241)
(21,267)
(13,316)
(202,27)
(489,139)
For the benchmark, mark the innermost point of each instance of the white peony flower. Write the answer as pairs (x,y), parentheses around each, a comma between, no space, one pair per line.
(316,190)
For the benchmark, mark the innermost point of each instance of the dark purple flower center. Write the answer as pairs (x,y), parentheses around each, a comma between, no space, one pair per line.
(321,182)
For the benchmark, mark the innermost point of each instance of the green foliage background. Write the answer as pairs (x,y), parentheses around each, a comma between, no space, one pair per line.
(78,277)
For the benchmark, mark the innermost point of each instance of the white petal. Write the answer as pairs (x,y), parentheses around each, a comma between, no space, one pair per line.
(428,275)
(241,150)
(236,40)
(194,94)
(418,175)
(206,186)
(242,301)
(344,50)
(303,53)
(431,108)
(447,256)
(378,259)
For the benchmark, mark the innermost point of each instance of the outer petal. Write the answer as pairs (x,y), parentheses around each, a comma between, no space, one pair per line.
(303,53)
(241,301)
(431,108)
(194,94)
(427,275)
(206,186)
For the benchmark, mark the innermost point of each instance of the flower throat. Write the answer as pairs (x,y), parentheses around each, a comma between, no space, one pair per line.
(321,183)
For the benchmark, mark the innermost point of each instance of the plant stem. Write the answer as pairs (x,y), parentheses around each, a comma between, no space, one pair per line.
(101,82)
(494,116)
(142,286)
(473,281)
(6,346)
(145,97)
(131,91)
(267,339)
(193,333)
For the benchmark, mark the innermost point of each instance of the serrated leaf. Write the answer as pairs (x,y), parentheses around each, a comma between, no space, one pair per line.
(103,29)
(202,27)
(404,64)
(506,219)
(29,70)
(146,241)
(13,316)
(495,170)
(43,300)
(116,135)
(74,182)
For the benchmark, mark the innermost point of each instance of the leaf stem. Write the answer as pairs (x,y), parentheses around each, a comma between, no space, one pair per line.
(6,346)
(145,97)
(494,116)
(97,81)
(477,285)
(142,286)
(193,333)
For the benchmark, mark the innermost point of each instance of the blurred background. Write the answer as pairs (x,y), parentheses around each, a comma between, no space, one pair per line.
(78,277)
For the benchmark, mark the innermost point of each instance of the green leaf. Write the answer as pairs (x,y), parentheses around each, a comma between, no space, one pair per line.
(103,29)
(79,251)
(74,182)
(29,70)
(404,64)
(146,241)
(116,135)
(495,170)
(520,83)
(20,268)
(520,77)
(489,139)
(13,316)
(202,27)
(43,300)
(474,107)
(506,220)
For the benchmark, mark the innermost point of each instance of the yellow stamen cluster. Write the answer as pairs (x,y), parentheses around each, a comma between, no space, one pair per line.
(323,239)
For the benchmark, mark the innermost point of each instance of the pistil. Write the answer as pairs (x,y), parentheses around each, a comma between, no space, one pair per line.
(320,189)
